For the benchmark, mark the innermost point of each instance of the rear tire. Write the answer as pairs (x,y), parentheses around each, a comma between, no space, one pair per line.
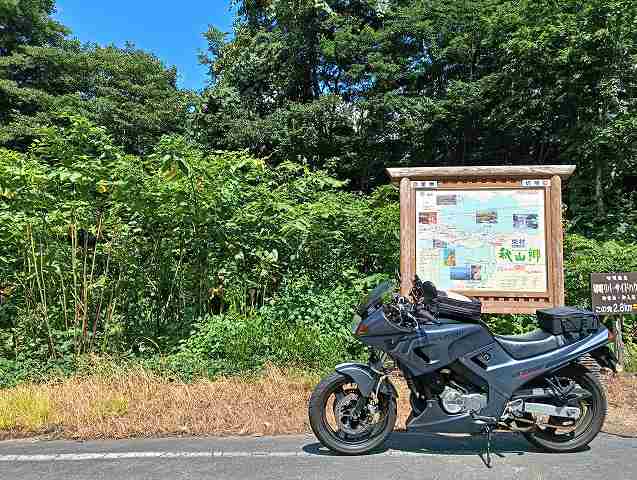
(342,444)
(591,422)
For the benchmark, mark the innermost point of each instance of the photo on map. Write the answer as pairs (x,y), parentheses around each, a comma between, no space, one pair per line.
(526,220)
(449,257)
(476,272)
(428,218)
(437,243)
(446,199)
(486,216)
(462,272)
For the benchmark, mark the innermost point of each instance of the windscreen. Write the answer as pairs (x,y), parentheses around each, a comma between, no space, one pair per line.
(375,295)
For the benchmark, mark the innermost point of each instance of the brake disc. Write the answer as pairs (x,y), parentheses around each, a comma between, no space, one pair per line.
(343,410)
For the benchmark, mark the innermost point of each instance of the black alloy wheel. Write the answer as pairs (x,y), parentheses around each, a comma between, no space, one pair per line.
(333,419)
(582,431)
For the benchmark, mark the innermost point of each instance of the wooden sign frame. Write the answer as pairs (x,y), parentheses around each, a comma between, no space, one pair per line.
(547,178)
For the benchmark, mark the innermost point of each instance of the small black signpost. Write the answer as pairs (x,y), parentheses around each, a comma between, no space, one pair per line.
(615,294)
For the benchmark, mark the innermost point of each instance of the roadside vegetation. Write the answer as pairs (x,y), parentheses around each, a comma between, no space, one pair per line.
(139,403)
(196,264)
(180,242)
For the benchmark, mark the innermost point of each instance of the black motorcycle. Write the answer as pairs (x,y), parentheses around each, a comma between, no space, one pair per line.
(462,378)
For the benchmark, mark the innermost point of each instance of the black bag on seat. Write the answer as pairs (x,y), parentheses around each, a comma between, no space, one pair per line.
(445,307)
(567,320)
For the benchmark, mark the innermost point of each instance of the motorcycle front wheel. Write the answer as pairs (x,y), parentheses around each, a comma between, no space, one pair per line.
(331,417)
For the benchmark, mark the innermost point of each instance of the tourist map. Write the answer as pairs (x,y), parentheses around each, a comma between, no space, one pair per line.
(486,240)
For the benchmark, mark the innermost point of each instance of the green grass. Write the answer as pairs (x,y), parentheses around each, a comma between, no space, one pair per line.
(110,407)
(23,408)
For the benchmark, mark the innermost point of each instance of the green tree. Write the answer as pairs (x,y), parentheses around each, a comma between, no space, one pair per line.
(28,22)
(357,86)
(128,91)
(43,73)
(569,93)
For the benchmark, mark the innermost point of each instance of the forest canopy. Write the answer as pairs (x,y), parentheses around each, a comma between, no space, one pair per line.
(354,86)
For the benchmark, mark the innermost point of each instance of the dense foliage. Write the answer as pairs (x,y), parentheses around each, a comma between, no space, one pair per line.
(102,251)
(216,231)
(355,86)
(42,74)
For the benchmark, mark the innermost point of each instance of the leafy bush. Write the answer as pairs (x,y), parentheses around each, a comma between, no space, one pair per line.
(583,256)
(510,324)
(305,327)
(103,252)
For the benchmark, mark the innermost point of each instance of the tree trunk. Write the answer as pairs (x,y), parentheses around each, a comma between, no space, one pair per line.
(599,190)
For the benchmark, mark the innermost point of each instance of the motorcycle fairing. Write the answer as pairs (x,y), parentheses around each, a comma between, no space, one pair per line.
(438,345)
(504,376)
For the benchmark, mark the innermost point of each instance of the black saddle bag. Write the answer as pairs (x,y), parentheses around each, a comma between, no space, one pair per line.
(567,320)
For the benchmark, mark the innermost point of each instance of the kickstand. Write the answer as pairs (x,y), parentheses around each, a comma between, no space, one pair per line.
(486,430)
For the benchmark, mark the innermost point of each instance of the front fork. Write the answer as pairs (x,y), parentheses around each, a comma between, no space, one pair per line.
(372,380)
(372,401)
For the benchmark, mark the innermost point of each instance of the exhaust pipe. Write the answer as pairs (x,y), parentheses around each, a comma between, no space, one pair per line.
(551,410)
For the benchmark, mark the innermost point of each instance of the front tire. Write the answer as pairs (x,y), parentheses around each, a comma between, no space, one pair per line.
(331,399)
(587,426)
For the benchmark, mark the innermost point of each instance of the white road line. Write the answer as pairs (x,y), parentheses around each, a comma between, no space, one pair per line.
(81,457)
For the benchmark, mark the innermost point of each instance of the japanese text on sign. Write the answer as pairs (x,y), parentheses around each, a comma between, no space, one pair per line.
(614,293)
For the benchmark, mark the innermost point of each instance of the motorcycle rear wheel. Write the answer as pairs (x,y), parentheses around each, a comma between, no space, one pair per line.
(333,397)
(587,426)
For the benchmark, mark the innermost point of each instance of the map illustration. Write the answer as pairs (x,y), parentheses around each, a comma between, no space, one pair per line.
(482,239)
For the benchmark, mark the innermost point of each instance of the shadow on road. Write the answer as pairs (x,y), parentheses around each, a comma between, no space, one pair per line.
(503,445)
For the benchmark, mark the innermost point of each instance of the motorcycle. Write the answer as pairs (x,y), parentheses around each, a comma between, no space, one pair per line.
(463,378)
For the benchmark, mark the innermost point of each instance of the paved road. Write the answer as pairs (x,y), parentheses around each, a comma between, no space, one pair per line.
(408,456)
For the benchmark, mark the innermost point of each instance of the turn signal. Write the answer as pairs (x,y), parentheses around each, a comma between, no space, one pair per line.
(362,329)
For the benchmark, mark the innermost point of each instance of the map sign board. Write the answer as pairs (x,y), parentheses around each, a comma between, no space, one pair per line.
(482,239)
(493,233)
(614,293)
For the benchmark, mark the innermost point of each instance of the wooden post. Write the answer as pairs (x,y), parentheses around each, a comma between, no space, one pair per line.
(619,342)
(407,236)
(557,274)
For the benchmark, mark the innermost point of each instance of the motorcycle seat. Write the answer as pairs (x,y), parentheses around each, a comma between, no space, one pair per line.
(529,344)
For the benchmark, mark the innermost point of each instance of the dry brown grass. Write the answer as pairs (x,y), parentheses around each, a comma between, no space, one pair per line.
(622,405)
(143,405)
(403,401)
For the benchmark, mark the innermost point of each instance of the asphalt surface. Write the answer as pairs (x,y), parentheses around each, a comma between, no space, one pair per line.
(407,456)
